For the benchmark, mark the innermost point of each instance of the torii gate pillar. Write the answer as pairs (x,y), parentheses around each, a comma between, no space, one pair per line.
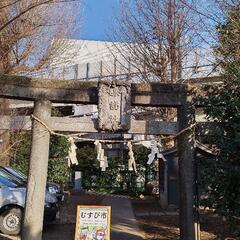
(37,178)
(186,151)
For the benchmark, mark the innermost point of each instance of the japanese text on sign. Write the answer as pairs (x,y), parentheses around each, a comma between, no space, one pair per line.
(93,223)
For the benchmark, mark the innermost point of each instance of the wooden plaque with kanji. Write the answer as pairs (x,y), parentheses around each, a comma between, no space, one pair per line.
(114,106)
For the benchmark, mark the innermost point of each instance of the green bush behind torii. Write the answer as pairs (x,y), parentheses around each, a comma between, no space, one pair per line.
(222,177)
(116,178)
(58,170)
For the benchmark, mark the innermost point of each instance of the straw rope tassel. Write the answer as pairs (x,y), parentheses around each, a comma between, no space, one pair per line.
(72,155)
(155,152)
(100,155)
(131,160)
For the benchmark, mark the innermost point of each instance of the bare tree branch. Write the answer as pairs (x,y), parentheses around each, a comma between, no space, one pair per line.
(29,8)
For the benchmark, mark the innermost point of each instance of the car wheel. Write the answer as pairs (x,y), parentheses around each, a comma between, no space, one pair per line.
(10,221)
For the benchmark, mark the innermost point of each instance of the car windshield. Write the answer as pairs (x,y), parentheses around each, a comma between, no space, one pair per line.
(16,173)
(6,182)
(17,181)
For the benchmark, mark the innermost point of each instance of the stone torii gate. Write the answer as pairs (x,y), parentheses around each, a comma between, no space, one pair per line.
(115,98)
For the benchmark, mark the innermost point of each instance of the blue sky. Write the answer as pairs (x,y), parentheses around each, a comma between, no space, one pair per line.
(98,19)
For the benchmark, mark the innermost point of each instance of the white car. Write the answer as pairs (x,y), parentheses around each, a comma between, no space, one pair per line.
(16,176)
(12,202)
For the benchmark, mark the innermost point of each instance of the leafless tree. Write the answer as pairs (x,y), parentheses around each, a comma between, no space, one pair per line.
(156,36)
(27,31)
(32,33)
(28,7)
(209,14)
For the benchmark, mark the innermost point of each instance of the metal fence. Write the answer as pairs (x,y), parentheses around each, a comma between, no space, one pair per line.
(109,70)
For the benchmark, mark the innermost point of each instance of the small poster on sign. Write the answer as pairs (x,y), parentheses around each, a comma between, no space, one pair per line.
(93,223)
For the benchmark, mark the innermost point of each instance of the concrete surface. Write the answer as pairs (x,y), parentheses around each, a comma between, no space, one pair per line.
(123,223)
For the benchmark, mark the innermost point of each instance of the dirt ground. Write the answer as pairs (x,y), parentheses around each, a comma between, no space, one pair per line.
(165,226)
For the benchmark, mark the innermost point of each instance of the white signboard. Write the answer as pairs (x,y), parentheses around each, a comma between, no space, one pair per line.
(93,223)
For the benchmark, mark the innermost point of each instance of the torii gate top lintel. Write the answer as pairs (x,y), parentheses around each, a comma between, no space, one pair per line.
(86,92)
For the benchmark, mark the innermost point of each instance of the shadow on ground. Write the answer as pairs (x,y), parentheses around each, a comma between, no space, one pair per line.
(3,237)
(59,231)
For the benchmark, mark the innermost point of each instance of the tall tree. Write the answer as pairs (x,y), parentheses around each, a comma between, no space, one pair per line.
(223,105)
